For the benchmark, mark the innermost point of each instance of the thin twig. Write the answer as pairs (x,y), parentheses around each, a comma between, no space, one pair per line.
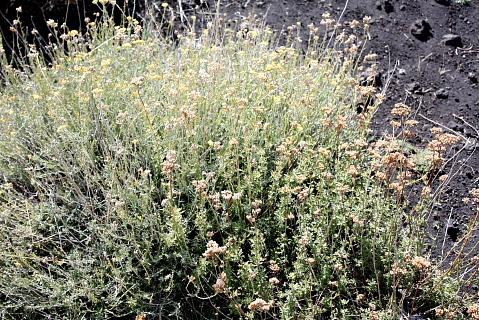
(442,126)
(445,233)
(467,123)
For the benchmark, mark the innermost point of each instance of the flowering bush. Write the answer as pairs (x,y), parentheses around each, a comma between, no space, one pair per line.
(217,177)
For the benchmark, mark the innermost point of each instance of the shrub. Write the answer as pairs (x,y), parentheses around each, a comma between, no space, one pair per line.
(219,176)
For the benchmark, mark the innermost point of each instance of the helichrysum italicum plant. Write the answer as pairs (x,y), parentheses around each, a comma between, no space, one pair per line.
(219,176)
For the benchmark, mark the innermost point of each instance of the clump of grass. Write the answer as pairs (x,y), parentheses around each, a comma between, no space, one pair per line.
(219,176)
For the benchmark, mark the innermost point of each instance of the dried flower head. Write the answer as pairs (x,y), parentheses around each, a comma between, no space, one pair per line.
(408,134)
(220,284)
(200,186)
(353,171)
(436,146)
(260,305)
(374,315)
(169,165)
(274,281)
(400,109)
(213,250)
(215,200)
(140,316)
(397,270)
(473,311)
(436,130)
(395,124)
(303,195)
(448,139)
(426,192)
(227,195)
(475,193)
(421,263)
(356,220)
(233,142)
(354,24)
(273,265)
(411,122)
(256,203)
(370,57)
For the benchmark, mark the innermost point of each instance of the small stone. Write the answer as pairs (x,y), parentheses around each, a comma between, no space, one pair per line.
(388,6)
(452,40)
(402,7)
(471,144)
(472,77)
(444,2)
(421,30)
(441,94)
(455,126)
(453,232)
(413,87)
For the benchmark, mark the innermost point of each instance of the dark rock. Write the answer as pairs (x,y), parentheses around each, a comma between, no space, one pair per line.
(414,87)
(455,126)
(441,94)
(421,30)
(388,6)
(453,232)
(379,5)
(452,40)
(444,2)
(472,77)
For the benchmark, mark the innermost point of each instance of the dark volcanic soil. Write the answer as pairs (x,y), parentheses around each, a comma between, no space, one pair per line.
(429,50)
